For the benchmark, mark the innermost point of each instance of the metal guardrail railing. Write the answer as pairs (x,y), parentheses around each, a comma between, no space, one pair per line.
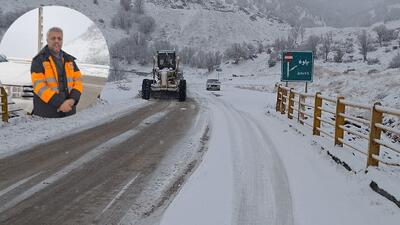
(290,101)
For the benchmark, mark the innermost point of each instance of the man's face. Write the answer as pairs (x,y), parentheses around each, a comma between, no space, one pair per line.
(55,41)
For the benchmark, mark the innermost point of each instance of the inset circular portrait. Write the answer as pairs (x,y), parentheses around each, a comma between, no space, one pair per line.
(54,62)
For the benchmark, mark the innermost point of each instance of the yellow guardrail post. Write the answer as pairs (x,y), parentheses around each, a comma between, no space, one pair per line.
(4,104)
(317,114)
(283,101)
(291,103)
(278,98)
(374,133)
(301,109)
(339,121)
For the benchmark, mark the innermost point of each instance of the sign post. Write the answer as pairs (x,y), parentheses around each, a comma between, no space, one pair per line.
(297,67)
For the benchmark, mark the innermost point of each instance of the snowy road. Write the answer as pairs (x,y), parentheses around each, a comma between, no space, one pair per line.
(264,169)
(249,182)
(261,191)
(94,176)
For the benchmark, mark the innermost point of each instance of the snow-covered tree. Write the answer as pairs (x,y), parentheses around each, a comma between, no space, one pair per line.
(234,52)
(365,41)
(327,41)
(139,7)
(126,4)
(123,19)
(312,44)
(134,47)
(280,44)
(212,59)
(384,34)
(116,73)
(339,48)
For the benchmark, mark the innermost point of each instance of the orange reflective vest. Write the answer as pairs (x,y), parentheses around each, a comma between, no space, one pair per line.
(46,85)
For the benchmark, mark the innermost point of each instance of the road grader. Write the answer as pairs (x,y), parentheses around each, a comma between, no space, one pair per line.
(167,79)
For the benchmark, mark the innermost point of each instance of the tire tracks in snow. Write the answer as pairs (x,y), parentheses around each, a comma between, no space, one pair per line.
(261,188)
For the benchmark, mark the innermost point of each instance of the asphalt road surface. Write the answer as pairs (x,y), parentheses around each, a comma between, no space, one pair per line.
(94,176)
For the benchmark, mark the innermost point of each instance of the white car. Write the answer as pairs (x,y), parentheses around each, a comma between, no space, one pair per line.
(213,85)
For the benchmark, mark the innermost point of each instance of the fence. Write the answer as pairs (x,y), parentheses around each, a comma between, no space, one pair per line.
(332,112)
(4,104)
(26,91)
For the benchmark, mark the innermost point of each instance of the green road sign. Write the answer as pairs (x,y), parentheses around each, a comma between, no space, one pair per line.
(297,66)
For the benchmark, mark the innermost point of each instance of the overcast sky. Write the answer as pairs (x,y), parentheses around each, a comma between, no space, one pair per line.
(20,40)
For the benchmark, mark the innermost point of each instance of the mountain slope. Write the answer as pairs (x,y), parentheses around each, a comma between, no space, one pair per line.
(213,30)
(90,47)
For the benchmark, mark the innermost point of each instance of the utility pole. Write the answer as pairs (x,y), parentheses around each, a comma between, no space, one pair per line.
(40,29)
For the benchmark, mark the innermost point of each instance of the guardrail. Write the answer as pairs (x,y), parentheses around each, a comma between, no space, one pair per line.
(23,91)
(27,92)
(4,104)
(290,101)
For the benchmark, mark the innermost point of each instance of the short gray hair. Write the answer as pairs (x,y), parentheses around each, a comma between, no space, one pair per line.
(54,29)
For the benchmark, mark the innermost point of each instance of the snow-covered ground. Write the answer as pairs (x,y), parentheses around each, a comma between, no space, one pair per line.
(212,30)
(321,192)
(260,168)
(249,140)
(250,165)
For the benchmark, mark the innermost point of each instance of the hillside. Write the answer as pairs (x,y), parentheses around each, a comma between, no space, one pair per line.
(90,47)
(213,30)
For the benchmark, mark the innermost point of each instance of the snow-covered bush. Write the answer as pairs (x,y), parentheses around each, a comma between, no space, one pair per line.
(134,47)
(312,44)
(200,59)
(384,34)
(395,63)
(116,73)
(339,53)
(237,51)
(372,71)
(123,19)
(125,4)
(147,24)
(234,52)
(349,45)
(273,58)
(212,60)
(327,44)
(163,45)
(271,62)
(138,6)
(373,61)
(279,44)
